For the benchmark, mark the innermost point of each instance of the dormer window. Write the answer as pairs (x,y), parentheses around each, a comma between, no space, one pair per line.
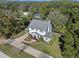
(34,29)
(44,32)
(48,29)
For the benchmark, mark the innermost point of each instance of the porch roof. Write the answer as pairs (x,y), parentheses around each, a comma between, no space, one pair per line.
(48,35)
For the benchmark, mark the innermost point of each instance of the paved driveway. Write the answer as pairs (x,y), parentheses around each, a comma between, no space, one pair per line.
(34,52)
(2,55)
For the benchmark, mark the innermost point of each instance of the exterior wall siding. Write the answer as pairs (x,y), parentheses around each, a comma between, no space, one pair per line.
(38,31)
(41,33)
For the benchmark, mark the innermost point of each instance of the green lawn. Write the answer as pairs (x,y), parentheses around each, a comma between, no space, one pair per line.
(18,35)
(61,30)
(14,52)
(51,48)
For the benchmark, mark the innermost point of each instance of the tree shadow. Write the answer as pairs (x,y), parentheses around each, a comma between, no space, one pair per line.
(61,40)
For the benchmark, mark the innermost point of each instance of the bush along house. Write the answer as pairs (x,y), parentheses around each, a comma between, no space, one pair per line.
(38,29)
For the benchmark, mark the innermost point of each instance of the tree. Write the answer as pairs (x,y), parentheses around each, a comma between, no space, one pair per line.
(71,39)
(58,20)
(69,49)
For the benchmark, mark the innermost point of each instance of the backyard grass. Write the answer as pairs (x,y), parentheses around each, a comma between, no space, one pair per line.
(14,52)
(60,30)
(51,48)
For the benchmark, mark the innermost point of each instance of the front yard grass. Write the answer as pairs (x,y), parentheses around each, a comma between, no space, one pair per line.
(51,48)
(14,52)
(18,35)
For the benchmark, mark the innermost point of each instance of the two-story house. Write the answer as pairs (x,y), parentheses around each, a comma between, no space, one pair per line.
(38,28)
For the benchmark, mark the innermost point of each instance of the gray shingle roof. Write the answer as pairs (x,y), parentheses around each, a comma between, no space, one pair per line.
(37,14)
(38,24)
(48,35)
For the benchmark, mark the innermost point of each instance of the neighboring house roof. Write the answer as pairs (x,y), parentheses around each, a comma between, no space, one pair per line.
(38,24)
(48,35)
(37,15)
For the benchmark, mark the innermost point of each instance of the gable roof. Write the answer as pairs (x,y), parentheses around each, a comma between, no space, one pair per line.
(38,24)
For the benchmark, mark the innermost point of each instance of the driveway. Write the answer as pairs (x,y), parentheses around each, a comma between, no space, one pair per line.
(34,52)
(2,55)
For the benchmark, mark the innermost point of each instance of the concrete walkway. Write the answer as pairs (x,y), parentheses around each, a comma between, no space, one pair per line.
(34,52)
(2,55)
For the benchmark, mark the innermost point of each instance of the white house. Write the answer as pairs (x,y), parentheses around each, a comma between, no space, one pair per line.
(38,28)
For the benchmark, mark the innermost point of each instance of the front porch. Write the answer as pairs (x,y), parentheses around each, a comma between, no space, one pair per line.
(35,35)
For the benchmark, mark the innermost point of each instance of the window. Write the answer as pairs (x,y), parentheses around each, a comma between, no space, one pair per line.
(44,32)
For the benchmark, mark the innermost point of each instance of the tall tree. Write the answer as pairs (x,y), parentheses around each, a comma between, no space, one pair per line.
(58,20)
(69,50)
